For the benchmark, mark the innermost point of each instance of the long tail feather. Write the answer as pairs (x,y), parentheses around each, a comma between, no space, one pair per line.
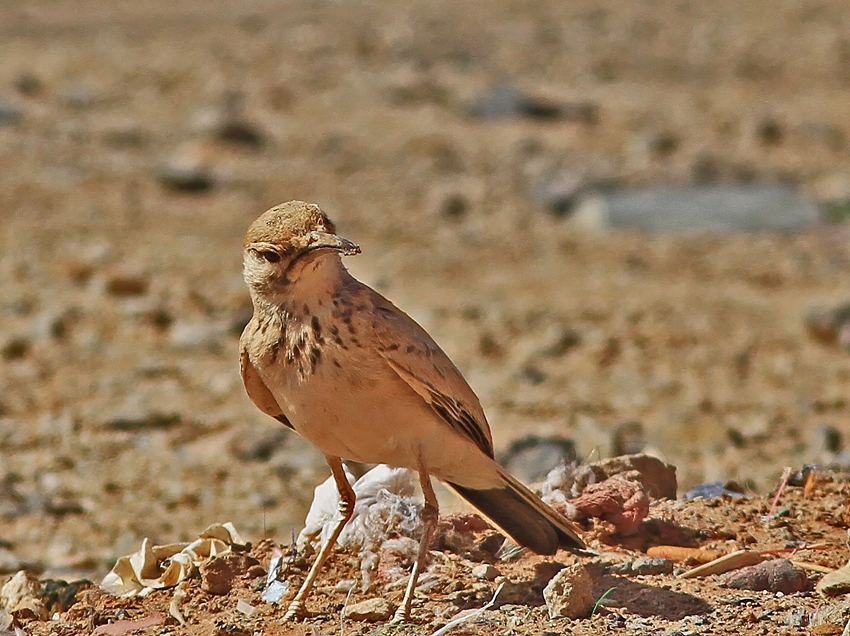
(523,516)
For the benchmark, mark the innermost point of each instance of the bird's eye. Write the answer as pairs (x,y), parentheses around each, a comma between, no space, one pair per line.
(269,255)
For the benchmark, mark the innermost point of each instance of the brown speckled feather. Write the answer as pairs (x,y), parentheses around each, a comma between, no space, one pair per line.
(420,362)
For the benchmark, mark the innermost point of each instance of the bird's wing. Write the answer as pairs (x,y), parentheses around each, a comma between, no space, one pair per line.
(258,391)
(420,362)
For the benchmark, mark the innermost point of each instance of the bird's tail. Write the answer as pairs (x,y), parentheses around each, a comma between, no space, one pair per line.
(523,516)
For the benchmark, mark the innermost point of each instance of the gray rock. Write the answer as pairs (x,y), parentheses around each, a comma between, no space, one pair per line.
(80,95)
(10,114)
(570,593)
(506,101)
(699,209)
(647,566)
(531,458)
(187,170)
(253,444)
(371,610)
(797,617)
(486,571)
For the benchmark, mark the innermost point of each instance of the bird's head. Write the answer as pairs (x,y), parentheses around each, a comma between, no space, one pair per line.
(286,241)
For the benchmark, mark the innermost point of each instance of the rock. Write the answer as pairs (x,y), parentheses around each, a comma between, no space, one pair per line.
(559,193)
(829,325)
(142,421)
(188,170)
(198,333)
(79,95)
(10,114)
(486,571)
(506,101)
(620,500)
(225,122)
(797,617)
(777,575)
(20,597)
(371,610)
(570,593)
(658,477)
(699,209)
(833,614)
(531,458)
(835,583)
(253,444)
(713,489)
(28,84)
(649,566)
(628,438)
(219,573)
(769,132)
(123,285)
(14,347)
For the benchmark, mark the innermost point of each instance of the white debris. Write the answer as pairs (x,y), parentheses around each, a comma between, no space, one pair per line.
(275,589)
(386,516)
(157,567)
(558,487)
(245,607)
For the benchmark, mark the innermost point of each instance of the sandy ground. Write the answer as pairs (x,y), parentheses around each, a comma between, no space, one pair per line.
(122,415)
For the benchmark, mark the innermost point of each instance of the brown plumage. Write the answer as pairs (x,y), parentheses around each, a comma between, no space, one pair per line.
(341,365)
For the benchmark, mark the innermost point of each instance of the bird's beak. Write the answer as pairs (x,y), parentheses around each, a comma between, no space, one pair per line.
(320,240)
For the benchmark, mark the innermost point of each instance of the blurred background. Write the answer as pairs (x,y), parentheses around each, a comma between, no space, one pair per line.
(623,221)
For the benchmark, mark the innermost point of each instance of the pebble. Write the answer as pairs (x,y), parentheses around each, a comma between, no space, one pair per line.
(255,444)
(743,208)
(187,170)
(797,617)
(219,573)
(829,325)
(531,458)
(10,114)
(713,489)
(777,575)
(198,333)
(649,566)
(124,285)
(142,421)
(14,347)
(371,610)
(570,593)
(506,101)
(20,597)
(79,95)
(486,571)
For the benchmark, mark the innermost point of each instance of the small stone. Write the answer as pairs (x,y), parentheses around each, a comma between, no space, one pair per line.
(10,114)
(80,95)
(123,285)
(198,333)
(797,617)
(714,489)
(835,583)
(28,84)
(14,348)
(777,575)
(506,101)
(219,573)
(531,458)
(486,571)
(142,421)
(20,596)
(570,593)
(371,610)
(188,170)
(769,132)
(253,444)
(649,566)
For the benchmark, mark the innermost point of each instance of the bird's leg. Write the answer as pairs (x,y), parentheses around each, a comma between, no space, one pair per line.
(346,509)
(430,515)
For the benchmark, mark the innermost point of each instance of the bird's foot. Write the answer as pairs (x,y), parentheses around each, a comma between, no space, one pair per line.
(402,615)
(296,612)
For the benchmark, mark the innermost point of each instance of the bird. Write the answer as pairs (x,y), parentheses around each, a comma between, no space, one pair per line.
(335,361)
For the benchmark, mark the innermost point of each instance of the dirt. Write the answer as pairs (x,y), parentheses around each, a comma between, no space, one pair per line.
(122,415)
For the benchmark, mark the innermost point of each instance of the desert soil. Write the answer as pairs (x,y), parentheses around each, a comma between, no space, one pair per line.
(122,415)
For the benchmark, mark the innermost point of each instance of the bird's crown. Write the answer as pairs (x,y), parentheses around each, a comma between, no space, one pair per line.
(287,221)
